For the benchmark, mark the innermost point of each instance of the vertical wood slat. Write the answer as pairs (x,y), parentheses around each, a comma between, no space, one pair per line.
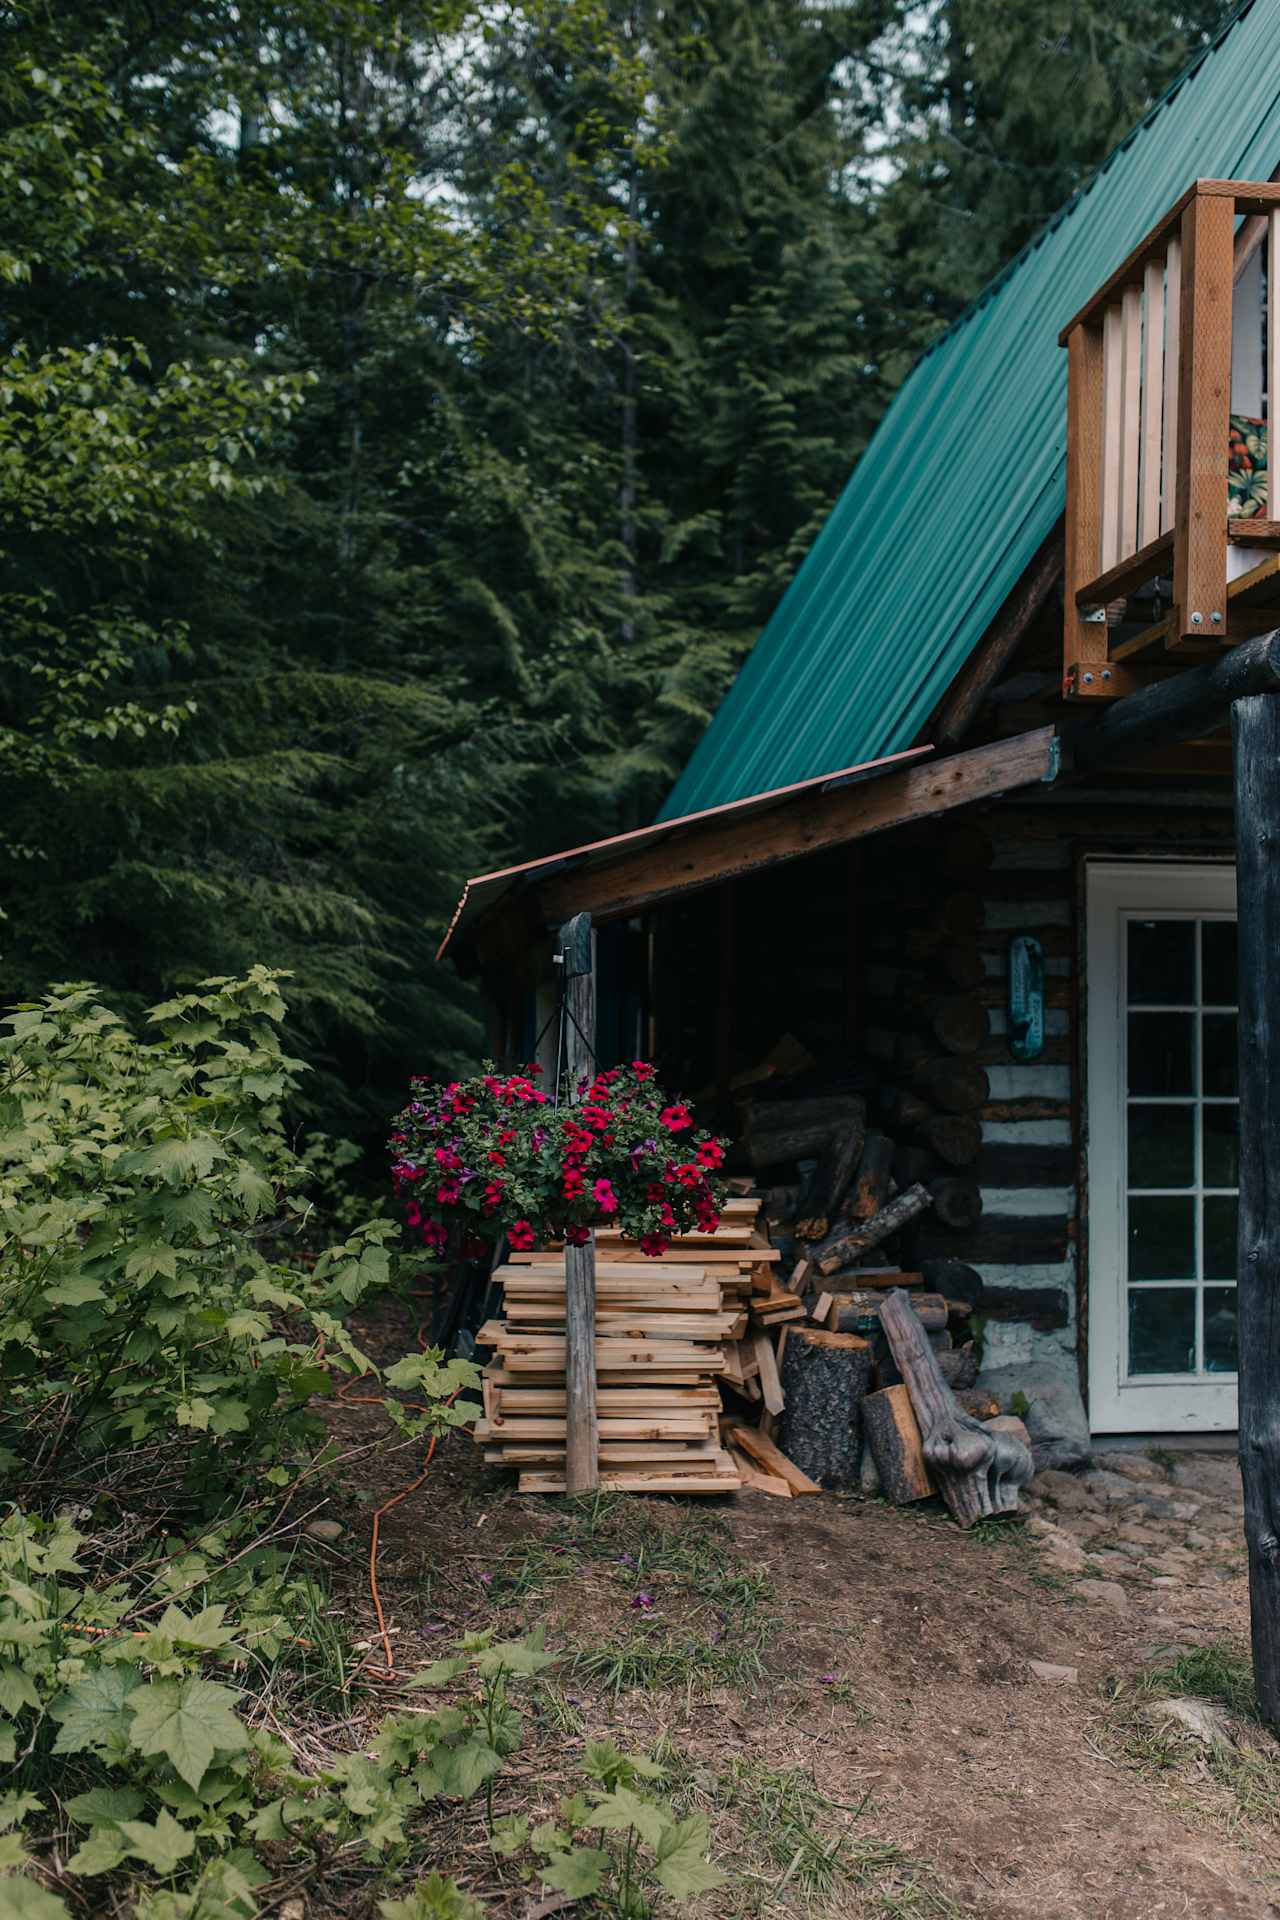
(1273,363)
(1172,351)
(1082,639)
(576,948)
(1152,399)
(1112,347)
(1130,416)
(1204,401)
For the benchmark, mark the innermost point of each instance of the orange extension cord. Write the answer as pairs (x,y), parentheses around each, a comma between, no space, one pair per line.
(379,1400)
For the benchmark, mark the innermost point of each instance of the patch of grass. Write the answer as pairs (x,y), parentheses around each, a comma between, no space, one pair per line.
(1222,1674)
(1164,1459)
(695,1613)
(793,1849)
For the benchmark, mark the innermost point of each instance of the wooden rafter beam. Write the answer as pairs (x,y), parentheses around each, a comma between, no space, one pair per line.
(998,644)
(721,849)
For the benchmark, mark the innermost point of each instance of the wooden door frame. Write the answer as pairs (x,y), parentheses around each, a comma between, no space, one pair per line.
(1112,887)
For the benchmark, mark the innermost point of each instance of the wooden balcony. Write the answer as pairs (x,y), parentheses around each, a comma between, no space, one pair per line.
(1173,368)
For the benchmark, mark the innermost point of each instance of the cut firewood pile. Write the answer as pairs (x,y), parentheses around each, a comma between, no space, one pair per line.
(711,1374)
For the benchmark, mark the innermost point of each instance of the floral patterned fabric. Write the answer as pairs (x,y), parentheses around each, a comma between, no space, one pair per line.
(1246,467)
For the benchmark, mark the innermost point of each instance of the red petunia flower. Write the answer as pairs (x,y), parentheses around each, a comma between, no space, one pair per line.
(520,1236)
(577,1236)
(653,1244)
(676,1118)
(606,1198)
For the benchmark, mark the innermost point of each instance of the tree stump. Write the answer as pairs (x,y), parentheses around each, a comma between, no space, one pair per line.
(825,1377)
(978,1470)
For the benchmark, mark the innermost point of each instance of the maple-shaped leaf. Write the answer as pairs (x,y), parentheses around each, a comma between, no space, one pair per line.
(22,1899)
(188,1721)
(682,1865)
(440,1672)
(434,1898)
(17,1689)
(101,1852)
(577,1873)
(101,1806)
(204,1629)
(93,1716)
(162,1846)
(622,1809)
(462,1770)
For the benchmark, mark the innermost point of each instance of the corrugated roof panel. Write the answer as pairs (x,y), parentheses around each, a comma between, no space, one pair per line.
(919,555)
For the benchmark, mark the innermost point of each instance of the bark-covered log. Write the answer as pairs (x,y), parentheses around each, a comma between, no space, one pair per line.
(1255,734)
(870,1233)
(957,1202)
(1041,1307)
(978,1471)
(825,1377)
(855,1305)
(836,1169)
(872,1182)
(959,1367)
(959,1022)
(960,963)
(893,1440)
(954,1280)
(778,1131)
(957,1086)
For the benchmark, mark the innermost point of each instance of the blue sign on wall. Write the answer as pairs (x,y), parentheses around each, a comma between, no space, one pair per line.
(1026,997)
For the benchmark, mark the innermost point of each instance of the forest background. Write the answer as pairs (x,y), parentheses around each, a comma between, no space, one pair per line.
(409,416)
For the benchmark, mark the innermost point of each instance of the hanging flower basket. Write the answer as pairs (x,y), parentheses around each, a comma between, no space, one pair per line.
(495,1153)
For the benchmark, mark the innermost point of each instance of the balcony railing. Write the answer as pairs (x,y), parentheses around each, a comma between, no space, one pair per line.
(1154,557)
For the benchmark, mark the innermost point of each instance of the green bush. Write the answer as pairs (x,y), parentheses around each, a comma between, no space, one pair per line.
(143,1185)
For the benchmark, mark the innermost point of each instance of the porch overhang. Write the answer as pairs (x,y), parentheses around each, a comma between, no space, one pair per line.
(628,874)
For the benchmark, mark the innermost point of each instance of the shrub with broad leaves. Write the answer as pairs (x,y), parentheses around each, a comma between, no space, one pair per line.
(497,1154)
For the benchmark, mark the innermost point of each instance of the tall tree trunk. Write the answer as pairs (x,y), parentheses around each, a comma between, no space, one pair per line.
(1255,729)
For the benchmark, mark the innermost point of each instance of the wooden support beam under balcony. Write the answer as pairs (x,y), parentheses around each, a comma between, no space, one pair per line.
(1152,430)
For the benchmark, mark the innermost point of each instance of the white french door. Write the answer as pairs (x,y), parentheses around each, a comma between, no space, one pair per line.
(1162,1146)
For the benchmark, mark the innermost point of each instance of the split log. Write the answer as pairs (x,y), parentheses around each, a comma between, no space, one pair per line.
(778,1131)
(890,1220)
(957,1086)
(978,1471)
(872,1183)
(825,1377)
(894,1443)
(956,1202)
(954,1137)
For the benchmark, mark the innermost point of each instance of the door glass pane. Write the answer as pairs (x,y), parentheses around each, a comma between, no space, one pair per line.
(1162,962)
(1161,1146)
(1162,1330)
(1218,963)
(1220,1057)
(1220,1354)
(1218,1126)
(1181,1149)
(1162,1238)
(1161,1054)
(1220,1237)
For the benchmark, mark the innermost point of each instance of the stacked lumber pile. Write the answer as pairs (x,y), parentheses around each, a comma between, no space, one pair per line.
(664,1330)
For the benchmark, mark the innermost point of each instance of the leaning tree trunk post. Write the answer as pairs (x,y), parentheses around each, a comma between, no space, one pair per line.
(575,955)
(1255,732)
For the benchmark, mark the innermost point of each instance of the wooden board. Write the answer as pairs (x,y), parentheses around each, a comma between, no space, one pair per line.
(762,1450)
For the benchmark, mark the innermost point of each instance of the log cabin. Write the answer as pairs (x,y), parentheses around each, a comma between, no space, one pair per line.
(988,822)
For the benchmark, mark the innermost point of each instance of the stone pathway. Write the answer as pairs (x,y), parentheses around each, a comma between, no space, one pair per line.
(1132,1530)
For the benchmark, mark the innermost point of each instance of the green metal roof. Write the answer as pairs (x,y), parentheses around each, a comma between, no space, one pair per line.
(919,555)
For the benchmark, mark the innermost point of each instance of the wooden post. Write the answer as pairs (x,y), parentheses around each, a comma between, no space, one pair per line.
(1255,731)
(575,955)
(1204,403)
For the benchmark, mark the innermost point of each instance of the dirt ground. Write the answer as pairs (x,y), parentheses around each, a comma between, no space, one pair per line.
(846,1689)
